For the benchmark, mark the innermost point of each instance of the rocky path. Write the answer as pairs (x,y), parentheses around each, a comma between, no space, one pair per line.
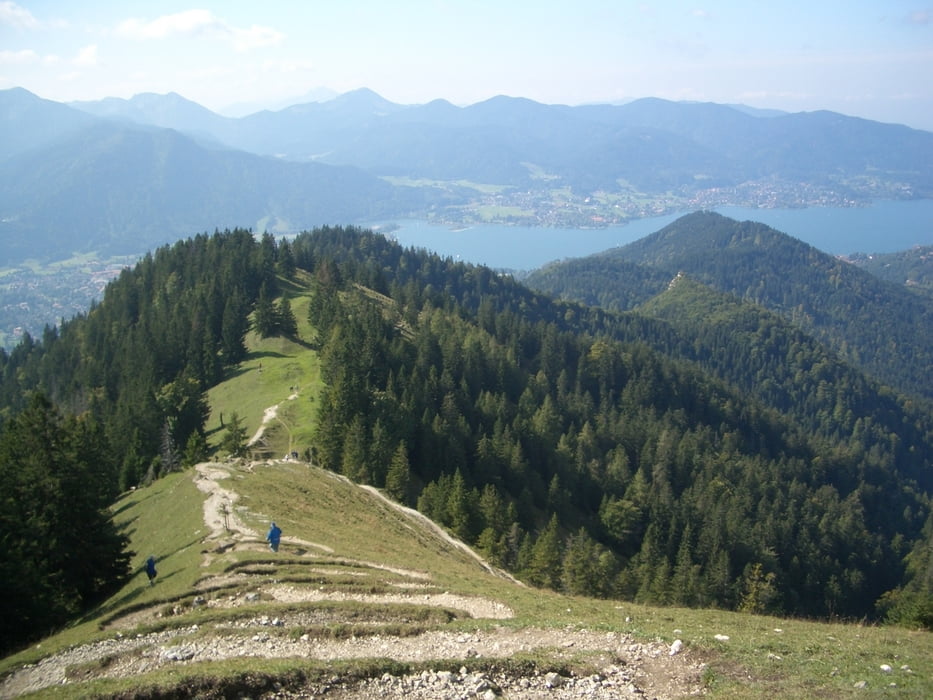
(623,666)
(269,415)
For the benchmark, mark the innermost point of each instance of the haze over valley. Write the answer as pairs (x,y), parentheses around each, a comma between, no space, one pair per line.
(89,181)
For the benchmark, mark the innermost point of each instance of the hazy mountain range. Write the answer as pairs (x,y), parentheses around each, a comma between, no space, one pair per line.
(117,176)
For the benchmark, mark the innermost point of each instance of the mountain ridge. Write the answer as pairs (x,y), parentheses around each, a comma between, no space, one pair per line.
(544,163)
(847,308)
(121,190)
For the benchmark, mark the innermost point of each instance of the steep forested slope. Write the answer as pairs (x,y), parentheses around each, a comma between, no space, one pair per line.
(913,268)
(593,452)
(140,360)
(767,357)
(880,327)
(61,551)
(549,447)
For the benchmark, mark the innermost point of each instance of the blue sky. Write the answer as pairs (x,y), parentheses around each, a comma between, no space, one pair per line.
(869,59)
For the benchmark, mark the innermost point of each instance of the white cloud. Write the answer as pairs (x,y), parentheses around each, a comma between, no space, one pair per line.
(18,57)
(16,16)
(210,72)
(86,56)
(199,23)
(920,17)
(255,37)
(187,22)
(287,66)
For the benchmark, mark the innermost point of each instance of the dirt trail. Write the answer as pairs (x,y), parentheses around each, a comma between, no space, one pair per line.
(269,415)
(219,514)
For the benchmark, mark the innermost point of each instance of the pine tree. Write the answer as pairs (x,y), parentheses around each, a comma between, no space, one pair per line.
(398,477)
(544,568)
(286,323)
(265,320)
(285,259)
(353,457)
(196,450)
(579,569)
(234,441)
(460,511)
(170,458)
(760,594)
(234,326)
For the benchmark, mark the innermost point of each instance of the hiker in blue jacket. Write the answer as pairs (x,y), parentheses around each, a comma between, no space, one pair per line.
(275,534)
(150,569)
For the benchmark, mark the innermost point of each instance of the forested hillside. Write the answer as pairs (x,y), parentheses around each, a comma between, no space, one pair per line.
(912,268)
(617,455)
(140,361)
(882,328)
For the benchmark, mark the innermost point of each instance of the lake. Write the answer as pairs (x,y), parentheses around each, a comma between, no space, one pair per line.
(883,227)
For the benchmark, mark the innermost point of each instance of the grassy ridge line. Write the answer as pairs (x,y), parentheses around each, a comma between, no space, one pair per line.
(275,369)
(761,657)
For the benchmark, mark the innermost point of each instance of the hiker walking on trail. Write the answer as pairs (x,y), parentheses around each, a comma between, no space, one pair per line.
(151,570)
(275,534)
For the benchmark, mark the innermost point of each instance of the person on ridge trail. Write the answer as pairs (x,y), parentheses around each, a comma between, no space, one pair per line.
(150,569)
(275,534)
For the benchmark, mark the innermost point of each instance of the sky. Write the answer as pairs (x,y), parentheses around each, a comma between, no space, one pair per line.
(871,59)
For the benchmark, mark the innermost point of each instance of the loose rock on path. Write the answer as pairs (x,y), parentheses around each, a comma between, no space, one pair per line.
(455,664)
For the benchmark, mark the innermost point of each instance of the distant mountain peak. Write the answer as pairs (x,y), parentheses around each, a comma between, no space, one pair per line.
(365,98)
(162,97)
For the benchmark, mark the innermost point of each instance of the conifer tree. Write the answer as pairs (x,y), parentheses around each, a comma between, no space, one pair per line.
(398,477)
(460,515)
(61,550)
(234,441)
(579,570)
(285,318)
(285,259)
(234,326)
(353,457)
(760,594)
(265,320)
(196,450)
(544,566)
(169,456)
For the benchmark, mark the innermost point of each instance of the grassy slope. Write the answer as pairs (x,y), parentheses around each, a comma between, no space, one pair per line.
(275,369)
(762,656)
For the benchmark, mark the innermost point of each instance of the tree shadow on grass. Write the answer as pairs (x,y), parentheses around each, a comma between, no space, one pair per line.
(135,501)
(252,363)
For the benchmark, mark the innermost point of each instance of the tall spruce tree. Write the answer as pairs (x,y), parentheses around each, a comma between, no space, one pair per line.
(234,440)
(285,318)
(398,477)
(265,320)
